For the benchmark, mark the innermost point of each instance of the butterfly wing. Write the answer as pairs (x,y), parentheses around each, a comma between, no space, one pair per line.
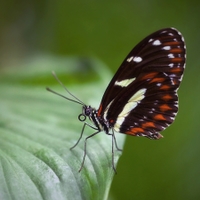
(141,99)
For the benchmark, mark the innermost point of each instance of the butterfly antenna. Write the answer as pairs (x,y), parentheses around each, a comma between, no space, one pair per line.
(76,99)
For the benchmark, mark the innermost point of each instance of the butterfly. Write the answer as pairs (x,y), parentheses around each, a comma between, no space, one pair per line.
(141,99)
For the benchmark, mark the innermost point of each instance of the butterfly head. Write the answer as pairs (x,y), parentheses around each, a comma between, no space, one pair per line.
(86,112)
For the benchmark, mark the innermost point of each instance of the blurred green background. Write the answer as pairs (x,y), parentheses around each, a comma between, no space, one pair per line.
(108,30)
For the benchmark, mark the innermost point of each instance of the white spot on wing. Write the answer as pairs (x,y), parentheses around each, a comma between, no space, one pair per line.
(137,59)
(166,48)
(118,123)
(172,118)
(125,82)
(151,40)
(129,59)
(130,105)
(172,75)
(171,55)
(158,84)
(156,43)
(106,110)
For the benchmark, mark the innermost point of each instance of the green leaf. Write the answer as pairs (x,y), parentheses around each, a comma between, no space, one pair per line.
(37,129)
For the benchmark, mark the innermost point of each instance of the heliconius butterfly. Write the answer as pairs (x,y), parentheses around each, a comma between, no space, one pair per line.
(141,99)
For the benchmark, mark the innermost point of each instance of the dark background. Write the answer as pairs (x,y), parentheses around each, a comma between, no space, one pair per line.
(108,30)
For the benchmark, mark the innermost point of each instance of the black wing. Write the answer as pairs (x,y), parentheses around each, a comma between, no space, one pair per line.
(141,99)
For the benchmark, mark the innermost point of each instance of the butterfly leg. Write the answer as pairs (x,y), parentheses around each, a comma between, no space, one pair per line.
(114,142)
(113,155)
(85,124)
(79,137)
(85,146)
(113,135)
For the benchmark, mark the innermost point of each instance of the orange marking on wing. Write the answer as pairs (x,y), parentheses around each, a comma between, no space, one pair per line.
(111,121)
(175,81)
(135,131)
(165,87)
(175,70)
(148,124)
(167,97)
(150,75)
(172,43)
(165,107)
(99,111)
(177,59)
(176,50)
(157,80)
(159,117)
